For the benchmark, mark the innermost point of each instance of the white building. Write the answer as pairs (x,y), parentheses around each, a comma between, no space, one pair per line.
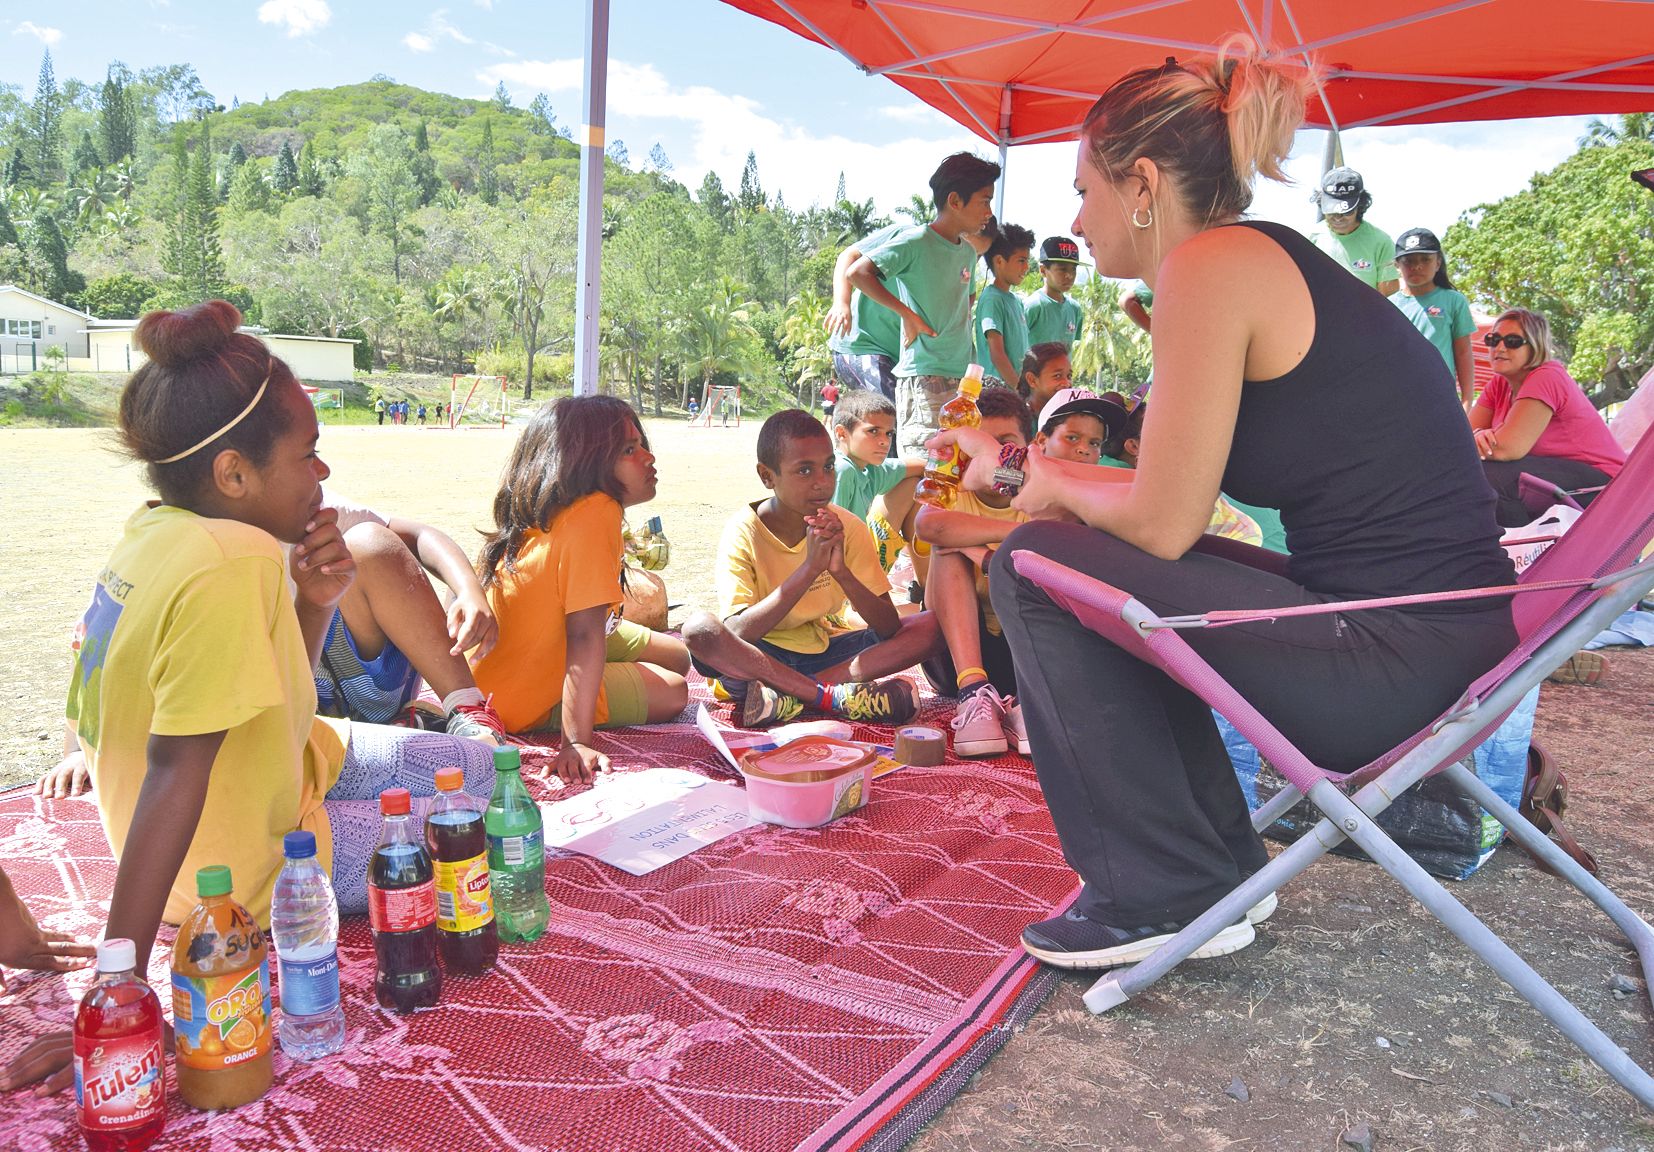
(30,324)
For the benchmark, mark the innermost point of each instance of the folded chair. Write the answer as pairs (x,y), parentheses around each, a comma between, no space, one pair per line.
(1570,593)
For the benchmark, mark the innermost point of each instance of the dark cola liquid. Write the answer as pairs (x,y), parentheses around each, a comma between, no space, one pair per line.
(457,837)
(408,976)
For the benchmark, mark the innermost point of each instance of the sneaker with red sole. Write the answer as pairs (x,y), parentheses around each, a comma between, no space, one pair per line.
(477,722)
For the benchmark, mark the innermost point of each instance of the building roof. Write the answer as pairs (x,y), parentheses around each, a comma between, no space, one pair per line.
(96,325)
(44,300)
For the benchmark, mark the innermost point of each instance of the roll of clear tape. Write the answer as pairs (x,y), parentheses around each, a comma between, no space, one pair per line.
(920,747)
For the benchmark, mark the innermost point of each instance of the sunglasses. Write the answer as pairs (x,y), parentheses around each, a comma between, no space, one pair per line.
(1510,340)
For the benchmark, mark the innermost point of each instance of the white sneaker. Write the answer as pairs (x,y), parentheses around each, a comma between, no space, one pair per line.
(979,724)
(1016,729)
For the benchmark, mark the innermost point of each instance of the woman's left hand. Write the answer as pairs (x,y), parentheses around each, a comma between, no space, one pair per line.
(578,763)
(1486,443)
(323,567)
(471,624)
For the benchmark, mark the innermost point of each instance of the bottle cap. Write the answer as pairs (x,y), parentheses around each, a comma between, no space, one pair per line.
(450,779)
(213,880)
(395,802)
(507,759)
(298,845)
(971,384)
(117,955)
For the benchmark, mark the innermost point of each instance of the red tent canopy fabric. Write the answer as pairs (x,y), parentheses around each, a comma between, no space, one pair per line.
(1022,71)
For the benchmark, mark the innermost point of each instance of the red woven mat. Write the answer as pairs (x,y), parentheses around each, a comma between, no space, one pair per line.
(826,989)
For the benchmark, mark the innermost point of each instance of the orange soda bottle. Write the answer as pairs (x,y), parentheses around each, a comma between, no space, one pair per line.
(940,486)
(221,1000)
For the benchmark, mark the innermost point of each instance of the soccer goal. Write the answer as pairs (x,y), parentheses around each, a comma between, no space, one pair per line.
(477,401)
(720,407)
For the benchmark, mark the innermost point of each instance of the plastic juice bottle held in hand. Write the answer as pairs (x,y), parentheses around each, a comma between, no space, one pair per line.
(516,853)
(458,840)
(120,1056)
(221,1000)
(402,911)
(304,923)
(940,485)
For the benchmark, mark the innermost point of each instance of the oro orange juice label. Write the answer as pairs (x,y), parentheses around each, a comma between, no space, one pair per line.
(222,1021)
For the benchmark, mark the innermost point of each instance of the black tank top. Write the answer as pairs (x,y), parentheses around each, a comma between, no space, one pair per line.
(1365,450)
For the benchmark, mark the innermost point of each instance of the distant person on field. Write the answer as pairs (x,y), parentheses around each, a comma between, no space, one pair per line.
(1053,315)
(379,409)
(693,407)
(1429,300)
(805,618)
(1533,417)
(924,276)
(422,415)
(829,397)
(1346,235)
(874,486)
(566,660)
(1001,327)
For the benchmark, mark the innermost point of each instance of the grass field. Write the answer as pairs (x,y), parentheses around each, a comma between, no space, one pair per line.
(68,492)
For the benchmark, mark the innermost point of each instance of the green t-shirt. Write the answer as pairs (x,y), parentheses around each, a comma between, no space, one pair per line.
(1049,320)
(1369,254)
(874,329)
(855,486)
(932,276)
(999,311)
(1442,314)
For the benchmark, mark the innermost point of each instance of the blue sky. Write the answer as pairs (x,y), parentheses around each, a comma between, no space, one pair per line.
(709,82)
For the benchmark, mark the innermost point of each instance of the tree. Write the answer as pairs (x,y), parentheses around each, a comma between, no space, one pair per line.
(534,248)
(918,209)
(117,119)
(488,181)
(617,153)
(715,202)
(718,332)
(502,97)
(424,166)
(48,259)
(385,168)
(236,156)
(658,162)
(45,125)
(18,172)
(751,196)
(542,121)
(311,180)
(248,190)
(1633,126)
(194,261)
(176,92)
(286,176)
(1113,351)
(118,297)
(94,198)
(8,231)
(85,157)
(804,335)
(839,193)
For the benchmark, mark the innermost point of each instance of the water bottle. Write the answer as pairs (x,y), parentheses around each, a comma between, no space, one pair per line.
(516,852)
(304,920)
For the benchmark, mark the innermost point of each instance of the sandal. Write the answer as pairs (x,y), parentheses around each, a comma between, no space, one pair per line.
(1583,667)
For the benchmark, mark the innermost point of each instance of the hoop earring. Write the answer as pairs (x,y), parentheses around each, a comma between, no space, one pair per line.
(1148,217)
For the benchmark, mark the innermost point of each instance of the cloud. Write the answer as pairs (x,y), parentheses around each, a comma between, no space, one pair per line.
(417,43)
(485,5)
(915,113)
(47,36)
(437,28)
(301,17)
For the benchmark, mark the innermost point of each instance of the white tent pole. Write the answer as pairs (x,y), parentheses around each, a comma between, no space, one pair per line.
(1004,149)
(588,265)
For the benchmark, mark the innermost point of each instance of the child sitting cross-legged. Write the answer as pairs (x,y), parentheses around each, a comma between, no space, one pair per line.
(873,485)
(804,611)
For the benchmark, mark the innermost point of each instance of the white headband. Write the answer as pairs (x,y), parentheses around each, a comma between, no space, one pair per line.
(194,448)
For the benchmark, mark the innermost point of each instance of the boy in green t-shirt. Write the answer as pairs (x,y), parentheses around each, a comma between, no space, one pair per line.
(924,276)
(1001,327)
(1051,314)
(1368,253)
(873,484)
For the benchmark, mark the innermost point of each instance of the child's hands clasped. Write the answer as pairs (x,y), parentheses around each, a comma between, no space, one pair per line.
(823,542)
(322,566)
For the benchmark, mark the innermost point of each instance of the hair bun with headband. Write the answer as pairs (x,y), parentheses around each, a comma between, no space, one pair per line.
(173,339)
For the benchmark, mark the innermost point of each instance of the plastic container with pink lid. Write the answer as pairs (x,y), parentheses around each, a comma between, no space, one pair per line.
(808,782)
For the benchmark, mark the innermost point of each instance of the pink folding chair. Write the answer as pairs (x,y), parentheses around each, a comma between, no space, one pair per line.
(1570,593)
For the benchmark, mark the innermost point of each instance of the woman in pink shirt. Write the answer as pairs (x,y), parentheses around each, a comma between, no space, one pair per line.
(1534,418)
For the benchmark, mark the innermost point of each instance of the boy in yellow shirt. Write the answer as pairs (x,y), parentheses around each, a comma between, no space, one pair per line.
(804,615)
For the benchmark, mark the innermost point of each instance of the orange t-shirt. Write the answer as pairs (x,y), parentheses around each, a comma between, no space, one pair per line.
(569,567)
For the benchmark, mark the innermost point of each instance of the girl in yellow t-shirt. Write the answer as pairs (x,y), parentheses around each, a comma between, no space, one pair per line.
(551,568)
(192,699)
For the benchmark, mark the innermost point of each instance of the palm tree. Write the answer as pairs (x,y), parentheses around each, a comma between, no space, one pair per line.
(918,209)
(1606,133)
(718,335)
(804,334)
(1112,344)
(459,294)
(94,200)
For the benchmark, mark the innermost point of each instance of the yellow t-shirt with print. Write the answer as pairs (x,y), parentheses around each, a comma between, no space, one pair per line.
(752,563)
(571,566)
(971,504)
(191,631)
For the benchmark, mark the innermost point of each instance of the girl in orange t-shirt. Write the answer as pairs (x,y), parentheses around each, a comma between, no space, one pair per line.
(551,569)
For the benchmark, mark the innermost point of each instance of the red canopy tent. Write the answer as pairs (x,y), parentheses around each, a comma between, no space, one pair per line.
(1022,71)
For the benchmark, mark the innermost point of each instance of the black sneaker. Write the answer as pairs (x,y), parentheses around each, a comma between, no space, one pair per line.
(915,593)
(1073,941)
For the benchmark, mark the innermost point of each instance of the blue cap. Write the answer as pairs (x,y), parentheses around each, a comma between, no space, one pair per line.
(298,845)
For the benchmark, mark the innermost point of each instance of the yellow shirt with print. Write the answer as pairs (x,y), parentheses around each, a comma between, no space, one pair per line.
(752,563)
(191,631)
(971,504)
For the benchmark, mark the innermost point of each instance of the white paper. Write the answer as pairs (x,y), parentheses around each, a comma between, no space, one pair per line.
(645,838)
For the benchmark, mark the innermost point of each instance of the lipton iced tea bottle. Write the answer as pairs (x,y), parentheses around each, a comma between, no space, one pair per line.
(221,1000)
(940,486)
(120,1058)
(454,832)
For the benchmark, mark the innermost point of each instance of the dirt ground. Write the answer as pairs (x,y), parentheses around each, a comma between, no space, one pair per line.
(1352,1009)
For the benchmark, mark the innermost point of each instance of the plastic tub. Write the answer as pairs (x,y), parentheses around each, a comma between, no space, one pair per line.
(809,782)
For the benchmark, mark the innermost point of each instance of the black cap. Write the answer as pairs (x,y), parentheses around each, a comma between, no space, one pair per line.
(1341,191)
(1059,250)
(1417,241)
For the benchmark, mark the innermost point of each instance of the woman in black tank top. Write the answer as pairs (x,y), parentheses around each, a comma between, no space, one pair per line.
(1288,383)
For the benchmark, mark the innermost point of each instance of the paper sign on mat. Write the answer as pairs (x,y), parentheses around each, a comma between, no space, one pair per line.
(644,820)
